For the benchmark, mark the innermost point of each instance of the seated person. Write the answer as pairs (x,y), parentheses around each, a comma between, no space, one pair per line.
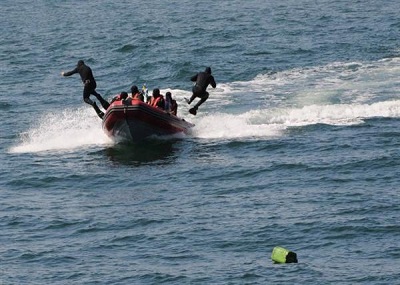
(136,94)
(157,100)
(170,104)
(120,97)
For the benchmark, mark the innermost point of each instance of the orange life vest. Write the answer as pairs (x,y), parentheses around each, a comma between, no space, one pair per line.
(154,101)
(136,96)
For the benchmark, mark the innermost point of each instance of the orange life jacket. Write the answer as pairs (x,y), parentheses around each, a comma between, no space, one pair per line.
(136,96)
(154,101)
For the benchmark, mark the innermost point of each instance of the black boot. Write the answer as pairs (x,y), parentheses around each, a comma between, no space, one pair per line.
(98,112)
(193,111)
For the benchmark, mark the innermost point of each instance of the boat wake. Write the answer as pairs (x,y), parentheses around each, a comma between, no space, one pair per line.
(335,94)
(65,131)
(262,108)
(270,123)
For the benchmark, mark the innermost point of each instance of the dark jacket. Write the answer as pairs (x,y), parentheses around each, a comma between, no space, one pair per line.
(203,79)
(86,74)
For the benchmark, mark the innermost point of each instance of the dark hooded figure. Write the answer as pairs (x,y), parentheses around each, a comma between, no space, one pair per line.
(89,86)
(202,79)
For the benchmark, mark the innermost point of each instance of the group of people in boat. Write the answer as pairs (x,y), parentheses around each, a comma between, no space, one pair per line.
(157,100)
(202,81)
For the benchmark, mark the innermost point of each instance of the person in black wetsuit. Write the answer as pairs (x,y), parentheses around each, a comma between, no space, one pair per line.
(89,86)
(202,79)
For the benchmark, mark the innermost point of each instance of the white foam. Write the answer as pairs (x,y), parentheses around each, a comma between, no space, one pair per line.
(340,93)
(340,114)
(269,123)
(229,126)
(336,94)
(67,130)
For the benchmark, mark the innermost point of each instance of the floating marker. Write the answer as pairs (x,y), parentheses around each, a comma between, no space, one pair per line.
(282,255)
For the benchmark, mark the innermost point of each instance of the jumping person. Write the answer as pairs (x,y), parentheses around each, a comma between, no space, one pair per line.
(89,86)
(202,79)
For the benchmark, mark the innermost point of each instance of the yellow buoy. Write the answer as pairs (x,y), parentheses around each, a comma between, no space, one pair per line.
(282,255)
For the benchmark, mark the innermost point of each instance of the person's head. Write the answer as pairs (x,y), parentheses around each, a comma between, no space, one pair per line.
(134,89)
(208,70)
(124,95)
(168,95)
(156,92)
(80,62)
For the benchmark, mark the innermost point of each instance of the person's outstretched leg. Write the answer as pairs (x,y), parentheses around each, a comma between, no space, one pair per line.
(202,100)
(195,93)
(98,112)
(102,101)
(191,99)
(87,100)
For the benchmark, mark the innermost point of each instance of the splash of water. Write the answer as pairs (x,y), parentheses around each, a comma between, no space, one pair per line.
(267,123)
(68,130)
(336,94)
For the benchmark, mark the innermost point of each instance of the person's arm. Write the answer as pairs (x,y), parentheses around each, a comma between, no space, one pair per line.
(69,73)
(212,82)
(194,78)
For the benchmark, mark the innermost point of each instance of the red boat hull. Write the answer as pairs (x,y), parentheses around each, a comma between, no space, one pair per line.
(137,121)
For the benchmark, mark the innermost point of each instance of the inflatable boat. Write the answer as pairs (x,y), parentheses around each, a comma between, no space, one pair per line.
(133,120)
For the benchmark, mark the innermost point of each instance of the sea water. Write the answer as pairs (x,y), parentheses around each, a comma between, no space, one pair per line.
(298,146)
